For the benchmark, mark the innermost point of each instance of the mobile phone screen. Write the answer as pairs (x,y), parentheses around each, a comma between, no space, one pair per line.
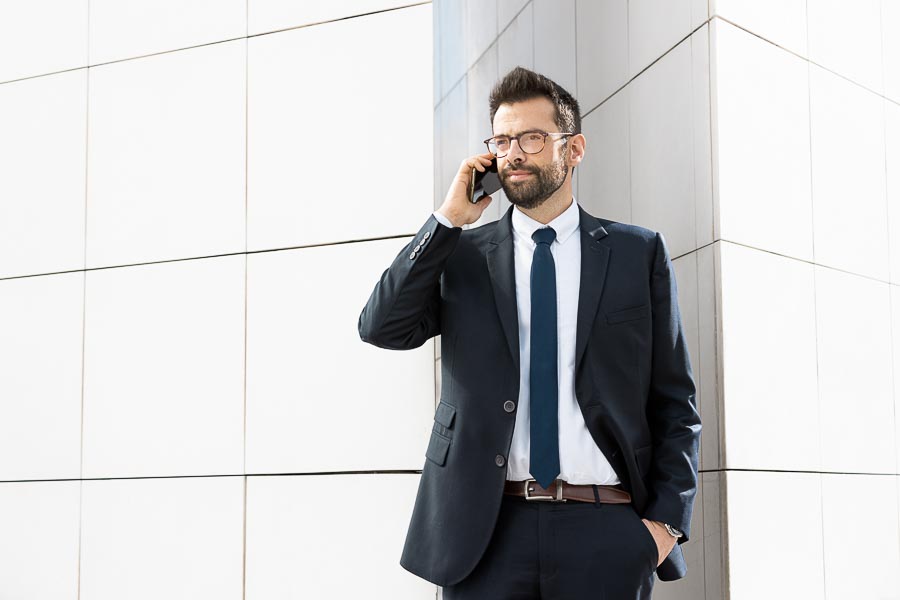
(484,183)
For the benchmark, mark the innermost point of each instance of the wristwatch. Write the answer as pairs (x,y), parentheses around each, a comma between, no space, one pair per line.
(675,533)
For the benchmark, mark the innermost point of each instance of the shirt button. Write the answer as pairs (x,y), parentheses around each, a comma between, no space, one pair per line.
(499,460)
(509,406)
(412,255)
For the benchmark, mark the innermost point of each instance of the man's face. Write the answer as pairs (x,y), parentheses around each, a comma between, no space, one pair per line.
(529,179)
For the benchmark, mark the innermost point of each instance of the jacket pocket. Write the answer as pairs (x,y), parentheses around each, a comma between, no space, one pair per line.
(444,414)
(441,434)
(438,446)
(628,314)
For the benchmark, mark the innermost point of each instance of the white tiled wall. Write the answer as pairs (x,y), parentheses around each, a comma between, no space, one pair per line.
(805,174)
(846,38)
(196,199)
(41,37)
(848,175)
(554,41)
(769,360)
(121,30)
(42,174)
(763,139)
(859,535)
(601,56)
(149,197)
(892,179)
(357,534)
(853,316)
(40,546)
(41,376)
(780,22)
(164,369)
(605,171)
(304,414)
(775,540)
(655,27)
(338,147)
(661,131)
(515,45)
(264,16)
(169,537)
(763,121)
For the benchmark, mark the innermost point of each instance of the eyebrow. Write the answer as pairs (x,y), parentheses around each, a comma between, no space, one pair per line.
(520,133)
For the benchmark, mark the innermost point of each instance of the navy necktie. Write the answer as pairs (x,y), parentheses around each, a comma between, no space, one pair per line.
(544,455)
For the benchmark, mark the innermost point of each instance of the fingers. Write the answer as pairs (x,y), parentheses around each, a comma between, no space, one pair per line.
(479,161)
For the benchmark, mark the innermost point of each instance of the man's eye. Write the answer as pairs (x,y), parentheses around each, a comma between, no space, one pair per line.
(533,137)
(501,142)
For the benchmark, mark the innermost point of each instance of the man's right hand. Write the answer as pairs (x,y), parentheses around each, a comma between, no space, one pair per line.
(456,206)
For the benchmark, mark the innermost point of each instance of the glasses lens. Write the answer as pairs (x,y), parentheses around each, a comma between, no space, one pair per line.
(532,142)
(498,146)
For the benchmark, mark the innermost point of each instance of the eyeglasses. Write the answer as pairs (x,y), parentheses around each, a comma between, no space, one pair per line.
(531,142)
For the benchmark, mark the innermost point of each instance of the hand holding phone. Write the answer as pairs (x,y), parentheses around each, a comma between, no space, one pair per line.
(484,182)
(458,204)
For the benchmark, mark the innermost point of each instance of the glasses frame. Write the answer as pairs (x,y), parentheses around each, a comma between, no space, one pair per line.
(515,138)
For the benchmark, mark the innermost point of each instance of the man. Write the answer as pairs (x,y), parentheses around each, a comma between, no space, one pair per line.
(563,458)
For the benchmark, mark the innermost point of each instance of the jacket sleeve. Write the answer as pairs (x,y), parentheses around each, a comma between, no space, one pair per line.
(672,406)
(404,309)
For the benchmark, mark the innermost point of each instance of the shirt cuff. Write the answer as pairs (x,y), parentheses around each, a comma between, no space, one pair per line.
(442,219)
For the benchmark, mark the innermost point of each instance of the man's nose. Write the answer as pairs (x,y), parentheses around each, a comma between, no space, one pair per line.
(515,153)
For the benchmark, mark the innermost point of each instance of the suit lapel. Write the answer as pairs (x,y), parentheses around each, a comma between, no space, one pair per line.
(501,266)
(502,269)
(594,262)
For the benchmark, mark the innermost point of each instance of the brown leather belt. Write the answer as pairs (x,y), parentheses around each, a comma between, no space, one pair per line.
(560,491)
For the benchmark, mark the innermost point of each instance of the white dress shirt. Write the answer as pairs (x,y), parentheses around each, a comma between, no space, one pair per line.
(580,460)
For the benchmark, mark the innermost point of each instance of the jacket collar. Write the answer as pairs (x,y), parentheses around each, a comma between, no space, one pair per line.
(564,224)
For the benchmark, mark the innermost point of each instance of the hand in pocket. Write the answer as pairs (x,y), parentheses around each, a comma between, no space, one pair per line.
(664,541)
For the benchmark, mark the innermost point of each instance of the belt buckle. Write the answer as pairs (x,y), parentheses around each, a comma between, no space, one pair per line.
(546,498)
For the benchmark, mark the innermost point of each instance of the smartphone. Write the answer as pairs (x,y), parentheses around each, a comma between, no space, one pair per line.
(484,183)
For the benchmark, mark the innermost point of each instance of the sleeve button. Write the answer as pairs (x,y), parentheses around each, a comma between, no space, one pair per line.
(509,406)
(499,460)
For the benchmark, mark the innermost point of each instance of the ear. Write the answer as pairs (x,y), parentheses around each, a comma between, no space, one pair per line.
(576,149)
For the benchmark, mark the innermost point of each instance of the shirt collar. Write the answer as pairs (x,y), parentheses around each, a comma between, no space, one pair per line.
(564,224)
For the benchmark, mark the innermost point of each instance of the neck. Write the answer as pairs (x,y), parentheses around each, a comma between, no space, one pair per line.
(553,206)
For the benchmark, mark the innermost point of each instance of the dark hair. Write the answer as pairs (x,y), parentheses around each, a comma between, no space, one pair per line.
(521,84)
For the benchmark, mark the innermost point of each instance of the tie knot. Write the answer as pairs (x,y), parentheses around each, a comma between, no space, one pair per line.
(545,235)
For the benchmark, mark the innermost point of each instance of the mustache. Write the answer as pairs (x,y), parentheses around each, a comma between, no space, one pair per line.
(509,170)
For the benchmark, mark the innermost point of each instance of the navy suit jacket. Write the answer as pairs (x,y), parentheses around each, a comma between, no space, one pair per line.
(633,378)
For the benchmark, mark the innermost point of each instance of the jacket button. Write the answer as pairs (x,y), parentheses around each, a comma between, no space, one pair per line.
(412,255)
(426,235)
(499,460)
(509,406)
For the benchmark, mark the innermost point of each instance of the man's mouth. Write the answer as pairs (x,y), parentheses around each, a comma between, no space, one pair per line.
(516,175)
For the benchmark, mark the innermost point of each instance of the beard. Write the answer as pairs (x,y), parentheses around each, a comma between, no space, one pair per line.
(534,191)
